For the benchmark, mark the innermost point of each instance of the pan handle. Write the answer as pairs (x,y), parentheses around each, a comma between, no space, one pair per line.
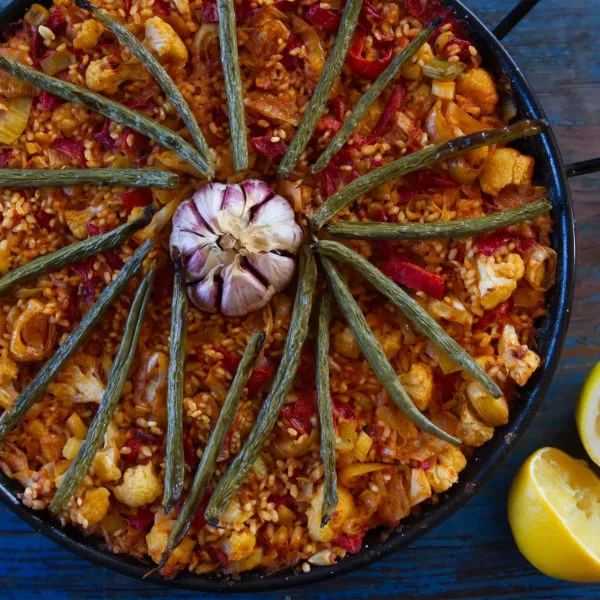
(513,18)
(583,167)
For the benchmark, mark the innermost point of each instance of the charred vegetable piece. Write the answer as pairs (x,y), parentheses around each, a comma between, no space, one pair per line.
(317,103)
(158,72)
(108,108)
(233,83)
(28,178)
(237,245)
(114,388)
(282,383)
(37,387)
(419,160)
(174,457)
(438,229)
(442,70)
(330,495)
(375,355)
(411,308)
(209,458)
(367,99)
(74,252)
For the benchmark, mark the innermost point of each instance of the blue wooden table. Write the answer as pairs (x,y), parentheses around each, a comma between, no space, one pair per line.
(472,555)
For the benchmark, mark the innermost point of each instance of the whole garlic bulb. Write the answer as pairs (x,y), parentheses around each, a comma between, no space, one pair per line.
(237,246)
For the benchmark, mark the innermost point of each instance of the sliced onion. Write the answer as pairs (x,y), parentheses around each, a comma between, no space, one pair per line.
(14,121)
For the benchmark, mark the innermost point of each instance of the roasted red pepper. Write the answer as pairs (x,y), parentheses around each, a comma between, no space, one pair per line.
(332,174)
(74,149)
(103,136)
(344,411)
(141,519)
(361,66)
(141,104)
(329,125)
(87,275)
(414,276)
(498,314)
(43,219)
(338,108)
(264,146)
(323,18)
(299,413)
(199,519)
(135,198)
(136,441)
(261,374)
(289,61)
(162,8)
(390,110)
(489,243)
(350,543)
(4,157)
(56,22)
(49,101)
(93,229)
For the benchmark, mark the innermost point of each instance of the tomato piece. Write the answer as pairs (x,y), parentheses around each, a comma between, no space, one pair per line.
(350,543)
(323,18)
(136,198)
(361,66)
(414,276)
(299,413)
(264,146)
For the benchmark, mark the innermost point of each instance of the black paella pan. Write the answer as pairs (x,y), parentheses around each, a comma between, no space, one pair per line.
(550,172)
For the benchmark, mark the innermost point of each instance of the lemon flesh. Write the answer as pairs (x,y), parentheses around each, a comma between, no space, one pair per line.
(554,514)
(587,415)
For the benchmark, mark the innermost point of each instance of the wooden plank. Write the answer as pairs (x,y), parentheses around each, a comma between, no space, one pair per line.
(472,555)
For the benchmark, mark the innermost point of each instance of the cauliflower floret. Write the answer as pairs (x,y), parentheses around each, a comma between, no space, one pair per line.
(79,381)
(454,310)
(105,75)
(104,464)
(493,411)
(239,545)
(503,167)
(140,486)
(518,359)
(88,35)
(497,281)
(444,473)
(157,540)
(346,508)
(163,40)
(420,488)
(94,508)
(77,220)
(418,383)
(471,430)
(477,85)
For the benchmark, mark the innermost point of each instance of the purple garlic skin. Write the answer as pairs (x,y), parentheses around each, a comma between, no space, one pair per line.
(238,246)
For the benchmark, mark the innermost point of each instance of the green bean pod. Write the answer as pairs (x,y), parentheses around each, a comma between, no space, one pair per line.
(330,495)
(108,108)
(110,398)
(208,462)
(231,482)
(174,456)
(367,99)
(158,72)
(353,230)
(424,322)
(419,160)
(74,252)
(317,103)
(37,387)
(375,355)
(28,178)
(233,83)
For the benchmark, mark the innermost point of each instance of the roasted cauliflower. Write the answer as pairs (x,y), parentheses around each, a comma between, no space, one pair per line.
(163,41)
(79,381)
(105,463)
(88,35)
(94,508)
(77,220)
(477,85)
(239,545)
(453,310)
(498,280)
(157,540)
(105,75)
(444,473)
(519,360)
(505,166)
(418,383)
(420,488)
(140,486)
(471,430)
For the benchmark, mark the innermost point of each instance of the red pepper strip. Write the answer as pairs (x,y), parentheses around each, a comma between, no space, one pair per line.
(265,147)
(199,521)
(322,18)
(141,519)
(488,243)
(277,500)
(74,149)
(261,374)
(43,219)
(391,108)
(243,11)
(339,108)
(414,276)
(141,104)
(361,66)
(49,101)
(56,22)
(217,555)
(289,61)
(94,230)
(331,175)
(327,124)
(498,314)
(350,543)
(344,411)
(135,198)
(87,275)
(4,157)
(103,136)
(299,414)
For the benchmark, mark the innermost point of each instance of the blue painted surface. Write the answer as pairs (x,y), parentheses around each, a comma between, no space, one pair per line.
(472,555)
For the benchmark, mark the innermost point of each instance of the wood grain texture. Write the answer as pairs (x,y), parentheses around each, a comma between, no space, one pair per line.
(472,555)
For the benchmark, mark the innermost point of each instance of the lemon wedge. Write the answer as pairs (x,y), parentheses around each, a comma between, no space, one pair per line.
(587,415)
(554,514)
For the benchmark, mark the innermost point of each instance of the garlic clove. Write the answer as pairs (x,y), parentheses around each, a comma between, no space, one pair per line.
(276,210)
(205,293)
(277,269)
(208,201)
(242,292)
(205,259)
(234,201)
(285,237)
(256,193)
